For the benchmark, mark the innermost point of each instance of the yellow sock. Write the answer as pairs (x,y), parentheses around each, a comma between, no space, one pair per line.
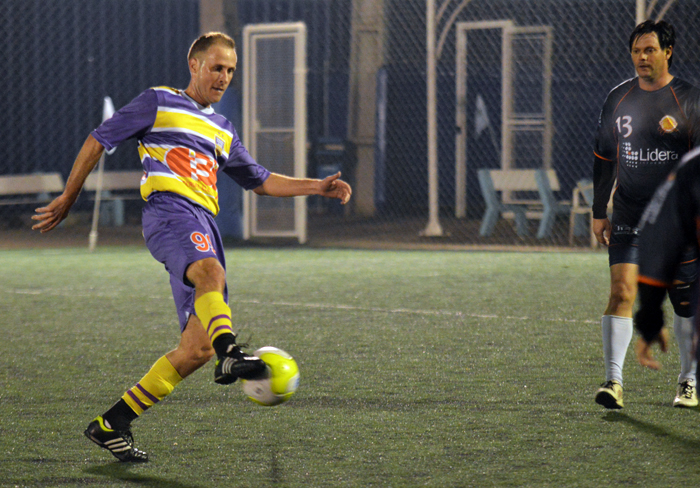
(215,315)
(158,383)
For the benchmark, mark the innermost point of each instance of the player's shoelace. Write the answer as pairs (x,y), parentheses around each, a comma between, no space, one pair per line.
(686,390)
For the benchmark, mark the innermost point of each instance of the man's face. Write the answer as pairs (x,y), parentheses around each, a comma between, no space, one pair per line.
(650,61)
(211,73)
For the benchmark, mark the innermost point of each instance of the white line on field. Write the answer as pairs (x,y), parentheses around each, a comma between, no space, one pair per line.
(321,306)
(404,311)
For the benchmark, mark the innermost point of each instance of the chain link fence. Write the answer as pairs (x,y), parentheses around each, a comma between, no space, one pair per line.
(62,58)
(572,51)
(367,97)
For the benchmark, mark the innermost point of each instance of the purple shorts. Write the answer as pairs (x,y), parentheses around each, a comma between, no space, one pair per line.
(178,233)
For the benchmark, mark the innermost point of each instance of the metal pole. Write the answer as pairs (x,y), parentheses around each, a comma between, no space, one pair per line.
(94,233)
(107,112)
(433,228)
(640,14)
(461,124)
(300,123)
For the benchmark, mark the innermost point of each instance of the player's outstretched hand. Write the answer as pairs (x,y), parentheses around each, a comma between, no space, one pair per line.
(51,215)
(333,187)
(643,350)
(602,229)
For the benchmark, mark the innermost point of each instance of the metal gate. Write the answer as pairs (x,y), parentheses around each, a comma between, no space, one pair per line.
(274,123)
(525,100)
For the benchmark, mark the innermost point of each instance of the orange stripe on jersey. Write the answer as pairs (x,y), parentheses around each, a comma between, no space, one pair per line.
(673,92)
(601,157)
(680,107)
(623,97)
(651,281)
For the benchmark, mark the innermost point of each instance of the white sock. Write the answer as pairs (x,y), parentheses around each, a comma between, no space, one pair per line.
(684,329)
(617,335)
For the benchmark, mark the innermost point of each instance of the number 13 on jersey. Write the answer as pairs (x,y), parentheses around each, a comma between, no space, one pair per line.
(624,126)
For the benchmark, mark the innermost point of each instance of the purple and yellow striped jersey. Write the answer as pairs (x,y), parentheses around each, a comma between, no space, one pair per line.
(182,146)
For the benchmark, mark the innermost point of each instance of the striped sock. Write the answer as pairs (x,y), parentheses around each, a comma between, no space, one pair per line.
(215,315)
(158,383)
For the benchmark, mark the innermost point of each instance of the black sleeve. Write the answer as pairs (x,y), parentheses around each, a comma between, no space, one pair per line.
(605,162)
(603,180)
(693,112)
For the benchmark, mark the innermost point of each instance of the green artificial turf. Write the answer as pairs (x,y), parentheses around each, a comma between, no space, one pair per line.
(450,369)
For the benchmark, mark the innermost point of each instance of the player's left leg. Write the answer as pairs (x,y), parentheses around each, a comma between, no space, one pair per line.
(112,430)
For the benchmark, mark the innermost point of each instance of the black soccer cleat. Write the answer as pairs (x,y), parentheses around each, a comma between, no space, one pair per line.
(236,364)
(119,442)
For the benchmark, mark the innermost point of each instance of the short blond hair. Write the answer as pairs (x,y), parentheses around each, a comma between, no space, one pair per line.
(205,41)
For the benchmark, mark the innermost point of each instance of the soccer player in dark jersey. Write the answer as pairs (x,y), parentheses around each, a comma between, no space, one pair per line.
(646,126)
(670,225)
(182,144)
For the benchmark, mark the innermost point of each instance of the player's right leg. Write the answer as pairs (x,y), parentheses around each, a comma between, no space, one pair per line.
(683,298)
(616,324)
(209,279)
(185,238)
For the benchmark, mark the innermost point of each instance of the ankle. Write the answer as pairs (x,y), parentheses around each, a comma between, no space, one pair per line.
(224,344)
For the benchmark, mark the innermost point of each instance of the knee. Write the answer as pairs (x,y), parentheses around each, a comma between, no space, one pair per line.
(207,274)
(622,294)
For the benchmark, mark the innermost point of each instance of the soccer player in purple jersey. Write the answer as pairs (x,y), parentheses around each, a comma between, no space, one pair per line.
(182,144)
(646,126)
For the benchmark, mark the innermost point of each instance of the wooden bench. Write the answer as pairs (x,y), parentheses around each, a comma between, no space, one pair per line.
(29,189)
(117,186)
(581,207)
(508,204)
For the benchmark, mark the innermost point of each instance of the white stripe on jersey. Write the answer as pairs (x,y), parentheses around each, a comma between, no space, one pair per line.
(194,114)
(182,130)
(168,147)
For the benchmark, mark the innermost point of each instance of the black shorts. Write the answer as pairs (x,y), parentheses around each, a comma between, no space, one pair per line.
(623,248)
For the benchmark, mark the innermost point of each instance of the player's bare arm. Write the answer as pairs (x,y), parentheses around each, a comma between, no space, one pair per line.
(53,214)
(284,186)
(644,350)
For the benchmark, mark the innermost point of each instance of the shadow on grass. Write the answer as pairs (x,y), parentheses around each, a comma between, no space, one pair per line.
(691,445)
(122,472)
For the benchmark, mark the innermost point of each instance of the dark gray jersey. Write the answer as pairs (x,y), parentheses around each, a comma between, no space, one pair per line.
(643,135)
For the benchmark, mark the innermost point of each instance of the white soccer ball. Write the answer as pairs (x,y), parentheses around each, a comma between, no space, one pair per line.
(281,381)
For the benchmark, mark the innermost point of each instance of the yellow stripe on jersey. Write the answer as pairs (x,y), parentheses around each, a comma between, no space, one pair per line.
(151,151)
(194,190)
(179,122)
(179,179)
(167,89)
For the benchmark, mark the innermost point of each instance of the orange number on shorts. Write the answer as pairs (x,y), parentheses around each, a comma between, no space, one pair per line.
(202,242)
